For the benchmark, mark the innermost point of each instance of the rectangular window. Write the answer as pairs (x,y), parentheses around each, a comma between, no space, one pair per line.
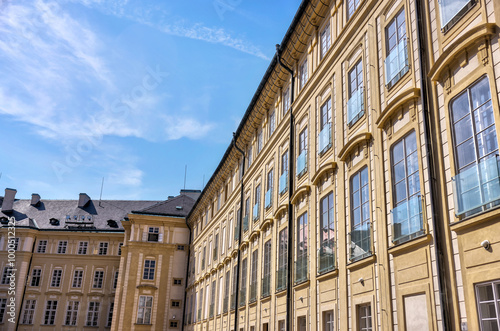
(110,313)
(149,270)
(283,182)
(207,297)
(272,122)
(98,279)
(5,275)
(259,142)
(355,103)
(407,212)
(50,312)
(253,275)
(153,234)
(249,156)
(286,100)
(226,291)
(302,158)
(93,314)
(203,258)
(266,273)
(268,199)
(177,281)
(477,185)
(175,304)
(281,281)
(303,75)
(42,246)
(16,243)
(120,249)
(173,324)
(326,254)
(325,41)
(365,318)
(77,279)
(233,287)
(29,311)
(243,284)
(212,300)
(325,135)
(103,248)
(452,11)
(144,311)
(360,216)
(61,247)
(115,281)
(396,62)
(82,247)
(216,247)
(56,278)
(3,305)
(352,5)
(223,242)
(36,276)
(328,323)
(256,206)
(247,213)
(488,304)
(301,258)
(210,253)
(72,313)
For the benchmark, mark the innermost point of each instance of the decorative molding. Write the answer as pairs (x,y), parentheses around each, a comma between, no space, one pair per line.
(323,170)
(350,146)
(302,190)
(282,208)
(396,105)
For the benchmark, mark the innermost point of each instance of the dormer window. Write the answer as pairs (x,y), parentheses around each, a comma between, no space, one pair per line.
(112,224)
(54,221)
(153,234)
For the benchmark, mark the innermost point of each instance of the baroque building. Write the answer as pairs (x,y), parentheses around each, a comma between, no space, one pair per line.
(361,188)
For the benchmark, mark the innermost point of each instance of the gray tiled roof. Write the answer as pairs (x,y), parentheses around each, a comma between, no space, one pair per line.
(179,206)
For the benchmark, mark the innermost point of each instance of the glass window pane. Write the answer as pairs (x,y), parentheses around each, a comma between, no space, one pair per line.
(400,191)
(485,292)
(413,184)
(466,153)
(399,172)
(483,116)
(398,152)
(487,141)
(480,93)
(364,177)
(460,107)
(463,130)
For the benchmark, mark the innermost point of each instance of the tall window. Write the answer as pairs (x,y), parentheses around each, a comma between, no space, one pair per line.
(249,156)
(212,299)
(226,291)
(328,323)
(247,212)
(149,270)
(29,311)
(269,193)
(355,104)
(93,314)
(360,215)
(396,63)
(488,301)
(452,10)
(365,318)
(5,275)
(259,141)
(98,279)
(223,242)
(16,243)
(303,75)
(115,281)
(253,275)
(272,122)
(3,305)
(326,234)
(302,158)
(110,313)
(407,212)
(216,246)
(325,135)
(72,313)
(233,287)
(266,273)
(243,284)
(282,259)
(56,278)
(256,208)
(36,276)
(82,247)
(50,312)
(476,185)
(301,259)
(62,246)
(325,40)
(286,100)
(42,246)
(352,5)
(77,279)
(103,248)
(120,248)
(283,182)
(144,311)
(153,234)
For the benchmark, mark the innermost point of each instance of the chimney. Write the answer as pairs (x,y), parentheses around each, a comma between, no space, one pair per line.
(8,200)
(84,200)
(35,199)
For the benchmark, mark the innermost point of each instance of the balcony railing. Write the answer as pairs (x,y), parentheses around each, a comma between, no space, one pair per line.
(214,256)
(284,182)
(325,138)
(355,107)
(256,211)
(225,304)
(301,268)
(243,297)
(237,232)
(396,63)
(203,264)
(407,221)
(199,315)
(253,292)
(266,285)
(326,256)
(245,223)
(211,310)
(233,301)
(281,279)
(268,201)
(301,163)
(477,188)
(360,242)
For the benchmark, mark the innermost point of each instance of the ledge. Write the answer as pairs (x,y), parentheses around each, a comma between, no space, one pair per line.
(329,166)
(70,293)
(409,245)
(394,105)
(362,263)
(146,286)
(99,294)
(303,283)
(474,220)
(267,221)
(279,210)
(328,274)
(353,142)
(253,234)
(458,46)
(244,244)
(303,189)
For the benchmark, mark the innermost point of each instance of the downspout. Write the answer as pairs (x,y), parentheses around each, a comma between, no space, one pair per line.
(240,229)
(26,282)
(289,320)
(187,276)
(426,106)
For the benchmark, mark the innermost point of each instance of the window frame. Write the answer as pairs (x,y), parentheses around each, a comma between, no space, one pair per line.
(50,312)
(71,317)
(98,280)
(149,269)
(42,246)
(37,279)
(29,309)
(145,305)
(93,314)
(62,247)
(56,277)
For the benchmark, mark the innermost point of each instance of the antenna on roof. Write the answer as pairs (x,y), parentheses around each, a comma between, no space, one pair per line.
(185,173)
(100,197)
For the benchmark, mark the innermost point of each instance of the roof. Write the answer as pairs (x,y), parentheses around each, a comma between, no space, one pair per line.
(179,206)
(63,215)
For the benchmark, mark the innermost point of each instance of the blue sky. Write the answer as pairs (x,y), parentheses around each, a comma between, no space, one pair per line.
(131,91)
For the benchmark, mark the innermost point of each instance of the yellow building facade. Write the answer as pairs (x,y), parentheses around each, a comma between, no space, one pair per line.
(361,187)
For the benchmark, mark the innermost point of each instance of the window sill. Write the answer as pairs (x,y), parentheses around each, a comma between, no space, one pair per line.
(327,274)
(476,219)
(362,262)
(410,245)
(458,16)
(302,283)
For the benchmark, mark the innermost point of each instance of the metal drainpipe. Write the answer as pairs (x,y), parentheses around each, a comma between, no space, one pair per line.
(289,320)
(26,282)
(426,105)
(240,229)
(187,276)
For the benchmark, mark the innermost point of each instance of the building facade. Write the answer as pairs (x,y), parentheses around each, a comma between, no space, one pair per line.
(361,188)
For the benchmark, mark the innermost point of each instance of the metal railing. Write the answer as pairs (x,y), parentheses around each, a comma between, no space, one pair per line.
(281,279)
(233,301)
(243,296)
(325,138)
(225,304)
(199,315)
(355,106)
(256,211)
(211,310)
(266,285)
(360,242)
(396,63)
(268,201)
(302,163)
(407,221)
(245,223)
(301,268)
(253,291)
(326,256)
(283,182)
